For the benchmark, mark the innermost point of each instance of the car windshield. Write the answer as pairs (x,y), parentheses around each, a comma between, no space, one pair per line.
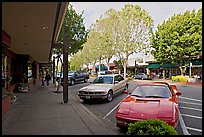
(103,80)
(153,91)
(70,73)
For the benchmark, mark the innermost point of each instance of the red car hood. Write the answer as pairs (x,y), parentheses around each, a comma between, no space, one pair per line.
(146,108)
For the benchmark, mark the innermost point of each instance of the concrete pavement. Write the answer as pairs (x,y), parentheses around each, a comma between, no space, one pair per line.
(42,112)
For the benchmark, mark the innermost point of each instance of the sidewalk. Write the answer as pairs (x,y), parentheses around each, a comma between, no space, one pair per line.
(171,82)
(42,112)
(180,83)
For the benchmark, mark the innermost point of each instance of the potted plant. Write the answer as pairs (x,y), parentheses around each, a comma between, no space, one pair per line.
(12,96)
(23,87)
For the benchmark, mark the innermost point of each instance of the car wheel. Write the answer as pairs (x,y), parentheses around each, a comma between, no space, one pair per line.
(72,82)
(85,80)
(109,96)
(142,78)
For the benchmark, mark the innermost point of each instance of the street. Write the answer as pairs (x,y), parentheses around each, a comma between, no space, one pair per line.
(190,106)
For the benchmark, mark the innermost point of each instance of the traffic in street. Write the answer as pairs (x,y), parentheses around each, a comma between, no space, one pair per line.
(190,106)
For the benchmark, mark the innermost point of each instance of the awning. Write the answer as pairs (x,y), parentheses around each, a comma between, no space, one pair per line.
(197,62)
(103,67)
(168,65)
(156,65)
(153,66)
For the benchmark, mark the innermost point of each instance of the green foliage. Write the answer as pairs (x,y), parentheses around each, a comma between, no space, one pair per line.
(179,79)
(178,39)
(151,127)
(77,34)
(11,94)
(118,33)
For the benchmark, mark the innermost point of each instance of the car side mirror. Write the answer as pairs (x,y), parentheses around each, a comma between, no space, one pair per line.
(178,93)
(116,82)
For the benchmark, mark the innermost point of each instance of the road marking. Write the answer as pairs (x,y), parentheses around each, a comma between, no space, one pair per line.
(183,125)
(111,110)
(191,116)
(194,129)
(191,108)
(190,103)
(191,99)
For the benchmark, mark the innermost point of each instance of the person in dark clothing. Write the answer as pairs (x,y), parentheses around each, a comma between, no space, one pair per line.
(47,77)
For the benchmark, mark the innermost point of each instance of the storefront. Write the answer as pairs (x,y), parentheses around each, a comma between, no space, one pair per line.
(163,70)
(196,68)
(26,43)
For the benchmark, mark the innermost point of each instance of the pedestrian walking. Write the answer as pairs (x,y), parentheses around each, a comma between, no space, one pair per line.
(47,77)
(43,79)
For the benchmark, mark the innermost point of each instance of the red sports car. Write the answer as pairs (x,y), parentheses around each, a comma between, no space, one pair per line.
(155,100)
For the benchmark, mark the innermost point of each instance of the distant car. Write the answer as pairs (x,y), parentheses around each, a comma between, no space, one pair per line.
(104,87)
(105,72)
(156,100)
(75,76)
(142,76)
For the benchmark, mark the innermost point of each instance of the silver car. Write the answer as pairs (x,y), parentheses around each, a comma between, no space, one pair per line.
(104,87)
(142,76)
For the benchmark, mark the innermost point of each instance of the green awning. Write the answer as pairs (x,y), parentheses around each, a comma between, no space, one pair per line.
(168,65)
(197,62)
(153,66)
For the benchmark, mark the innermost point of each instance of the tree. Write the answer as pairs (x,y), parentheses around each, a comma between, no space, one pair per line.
(133,30)
(179,39)
(76,31)
(76,62)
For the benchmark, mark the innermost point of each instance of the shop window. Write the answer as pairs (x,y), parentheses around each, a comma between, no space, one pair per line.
(5,78)
(30,75)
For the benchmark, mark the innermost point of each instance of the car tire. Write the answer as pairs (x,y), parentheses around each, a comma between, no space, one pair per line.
(72,82)
(142,78)
(85,80)
(109,96)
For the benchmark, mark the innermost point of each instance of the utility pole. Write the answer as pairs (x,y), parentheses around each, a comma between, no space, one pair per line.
(65,65)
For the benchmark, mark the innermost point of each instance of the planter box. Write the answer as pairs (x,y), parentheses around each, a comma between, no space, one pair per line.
(6,104)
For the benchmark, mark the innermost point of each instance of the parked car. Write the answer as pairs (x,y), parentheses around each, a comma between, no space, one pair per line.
(155,100)
(105,72)
(142,76)
(104,87)
(74,77)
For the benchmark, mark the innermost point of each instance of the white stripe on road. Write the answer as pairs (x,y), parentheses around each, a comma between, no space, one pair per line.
(183,125)
(194,129)
(111,110)
(191,108)
(190,103)
(191,99)
(191,116)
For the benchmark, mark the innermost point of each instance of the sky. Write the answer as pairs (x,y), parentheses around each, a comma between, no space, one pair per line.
(159,11)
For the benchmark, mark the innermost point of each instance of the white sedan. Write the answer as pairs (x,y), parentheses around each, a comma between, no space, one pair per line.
(104,87)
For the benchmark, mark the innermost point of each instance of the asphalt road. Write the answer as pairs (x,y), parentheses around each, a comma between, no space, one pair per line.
(190,106)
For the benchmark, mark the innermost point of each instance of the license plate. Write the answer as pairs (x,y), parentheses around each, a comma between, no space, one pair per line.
(87,97)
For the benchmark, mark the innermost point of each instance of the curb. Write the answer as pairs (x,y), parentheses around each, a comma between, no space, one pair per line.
(101,128)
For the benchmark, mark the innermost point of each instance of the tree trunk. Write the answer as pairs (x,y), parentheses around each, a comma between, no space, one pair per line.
(164,74)
(125,65)
(181,71)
